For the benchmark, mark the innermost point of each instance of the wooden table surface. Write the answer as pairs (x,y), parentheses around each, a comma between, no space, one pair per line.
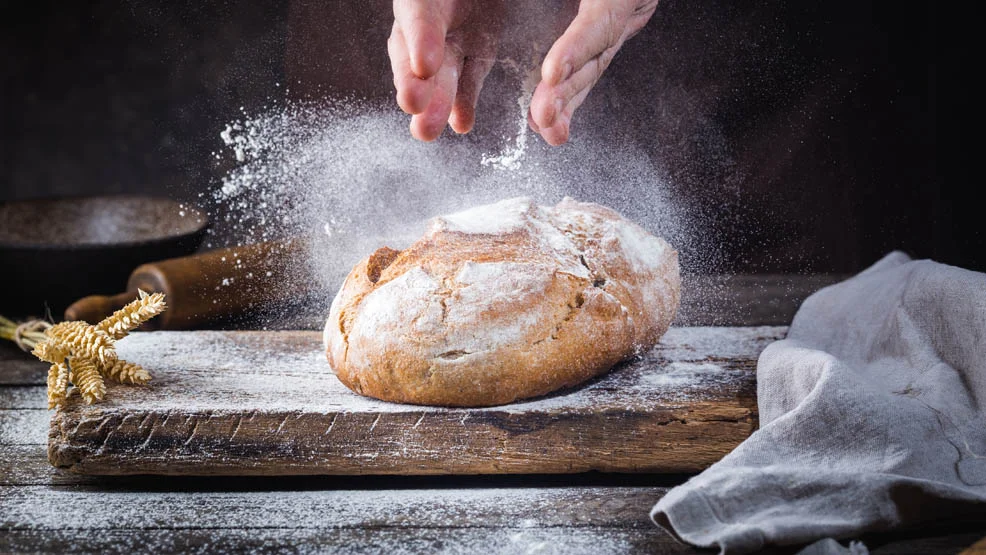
(44,509)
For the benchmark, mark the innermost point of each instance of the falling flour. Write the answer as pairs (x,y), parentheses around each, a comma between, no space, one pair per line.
(510,158)
(346,175)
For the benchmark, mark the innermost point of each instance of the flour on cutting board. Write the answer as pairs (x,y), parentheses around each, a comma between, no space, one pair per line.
(267,403)
(678,374)
(287,371)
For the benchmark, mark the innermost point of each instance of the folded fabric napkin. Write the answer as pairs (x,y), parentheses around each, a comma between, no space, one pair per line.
(871,418)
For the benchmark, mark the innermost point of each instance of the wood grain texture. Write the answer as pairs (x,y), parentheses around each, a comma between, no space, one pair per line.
(396,540)
(341,514)
(266,403)
(86,507)
(400,539)
(23,426)
(412,520)
(27,465)
(23,397)
(20,368)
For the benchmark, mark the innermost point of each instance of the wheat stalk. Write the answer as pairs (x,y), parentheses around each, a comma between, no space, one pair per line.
(125,320)
(124,372)
(84,373)
(57,384)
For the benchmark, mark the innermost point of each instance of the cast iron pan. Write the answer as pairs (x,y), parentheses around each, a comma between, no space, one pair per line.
(54,251)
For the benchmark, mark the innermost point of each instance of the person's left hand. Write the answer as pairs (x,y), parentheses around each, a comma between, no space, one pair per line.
(578,59)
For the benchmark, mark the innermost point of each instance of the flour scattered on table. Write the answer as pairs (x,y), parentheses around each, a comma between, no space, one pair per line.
(291,376)
(505,512)
(680,373)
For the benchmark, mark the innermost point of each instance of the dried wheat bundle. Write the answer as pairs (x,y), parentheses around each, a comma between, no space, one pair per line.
(82,354)
(55,353)
(83,340)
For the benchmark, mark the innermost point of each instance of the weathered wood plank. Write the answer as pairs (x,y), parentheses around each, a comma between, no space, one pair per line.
(23,397)
(410,540)
(266,403)
(24,427)
(397,541)
(573,519)
(144,513)
(93,508)
(20,368)
(27,465)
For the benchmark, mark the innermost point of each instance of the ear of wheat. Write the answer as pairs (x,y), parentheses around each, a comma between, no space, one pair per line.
(123,321)
(84,373)
(83,341)
(57,384)
(83,354)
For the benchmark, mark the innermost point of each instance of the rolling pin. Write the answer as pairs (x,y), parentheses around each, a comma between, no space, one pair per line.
(207,288)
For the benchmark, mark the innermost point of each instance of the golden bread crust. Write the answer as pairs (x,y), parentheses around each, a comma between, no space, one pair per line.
(502,302)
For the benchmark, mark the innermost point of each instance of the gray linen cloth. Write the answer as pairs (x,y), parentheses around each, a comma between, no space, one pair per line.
(871,418)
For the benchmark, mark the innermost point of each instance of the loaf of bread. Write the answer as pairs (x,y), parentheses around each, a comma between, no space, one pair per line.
(502,302)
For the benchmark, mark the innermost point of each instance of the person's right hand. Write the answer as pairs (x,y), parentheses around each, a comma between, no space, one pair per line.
(578,59)
(441,52)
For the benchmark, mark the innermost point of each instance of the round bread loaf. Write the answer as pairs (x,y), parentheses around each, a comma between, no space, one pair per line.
(502,302)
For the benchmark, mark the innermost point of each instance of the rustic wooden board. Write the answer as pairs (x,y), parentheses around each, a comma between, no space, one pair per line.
(406,520)
(388,515)
(266,403)
(23,427)
(18,367)
(391,541)
(452,540)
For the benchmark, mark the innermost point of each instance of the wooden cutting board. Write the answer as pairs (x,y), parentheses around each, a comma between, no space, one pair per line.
(267,403)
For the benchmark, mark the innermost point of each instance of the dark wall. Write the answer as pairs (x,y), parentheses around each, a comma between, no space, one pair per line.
(812,124)
(112,97)
(807,134)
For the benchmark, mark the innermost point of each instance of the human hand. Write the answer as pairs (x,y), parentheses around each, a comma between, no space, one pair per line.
(441,52)
(578,59)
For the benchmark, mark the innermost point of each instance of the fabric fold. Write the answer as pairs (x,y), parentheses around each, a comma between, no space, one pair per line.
(871,418)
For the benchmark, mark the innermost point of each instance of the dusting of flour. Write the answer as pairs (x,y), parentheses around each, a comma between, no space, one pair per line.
(489,306)
(502,217)
(218,371)
(347,175)
(510,158)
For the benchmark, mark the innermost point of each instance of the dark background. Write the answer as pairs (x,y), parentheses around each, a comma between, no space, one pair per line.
(806,134)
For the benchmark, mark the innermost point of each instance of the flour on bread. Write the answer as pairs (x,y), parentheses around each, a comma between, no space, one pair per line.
(501,302)
(502,217)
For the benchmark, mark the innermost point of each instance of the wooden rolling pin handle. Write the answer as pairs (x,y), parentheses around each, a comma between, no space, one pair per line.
(211,287)
(94,308)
